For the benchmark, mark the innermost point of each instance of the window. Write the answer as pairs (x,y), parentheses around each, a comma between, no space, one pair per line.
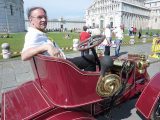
(155,4)
(20,11)
(156,20)
(11,9)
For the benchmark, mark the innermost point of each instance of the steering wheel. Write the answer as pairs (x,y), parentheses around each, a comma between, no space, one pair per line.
(91,42)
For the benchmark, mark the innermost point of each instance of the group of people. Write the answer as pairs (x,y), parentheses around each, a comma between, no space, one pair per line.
(107,43)
(132,31)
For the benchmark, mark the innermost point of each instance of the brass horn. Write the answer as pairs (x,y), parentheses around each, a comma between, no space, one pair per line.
(142,64)
(108,85)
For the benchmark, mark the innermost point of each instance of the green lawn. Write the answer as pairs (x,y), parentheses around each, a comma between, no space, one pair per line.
(59,38)
(16,40)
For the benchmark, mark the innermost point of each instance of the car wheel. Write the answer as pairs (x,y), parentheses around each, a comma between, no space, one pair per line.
(156,111)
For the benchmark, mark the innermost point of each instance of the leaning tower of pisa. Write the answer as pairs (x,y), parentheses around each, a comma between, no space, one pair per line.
(11,16)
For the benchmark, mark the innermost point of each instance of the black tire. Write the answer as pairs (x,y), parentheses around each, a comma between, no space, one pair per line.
(155,115)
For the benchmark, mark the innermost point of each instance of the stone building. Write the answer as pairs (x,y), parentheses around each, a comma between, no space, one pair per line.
(62,24)
(130,13)
(11,16)
(154,6)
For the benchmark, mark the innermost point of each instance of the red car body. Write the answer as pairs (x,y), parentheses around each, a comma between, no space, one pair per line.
(147,102)
(63,91)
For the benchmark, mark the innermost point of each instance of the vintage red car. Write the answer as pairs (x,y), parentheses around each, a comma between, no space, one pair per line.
(61,91)
(148,104)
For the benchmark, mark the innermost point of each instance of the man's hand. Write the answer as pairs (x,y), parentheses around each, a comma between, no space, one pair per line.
(53,51)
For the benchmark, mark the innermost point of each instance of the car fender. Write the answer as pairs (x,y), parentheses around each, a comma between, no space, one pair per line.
(149,97)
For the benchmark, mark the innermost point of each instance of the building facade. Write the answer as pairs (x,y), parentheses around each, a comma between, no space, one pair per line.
(62,24)
(154,6)
(11,16)
(130,13)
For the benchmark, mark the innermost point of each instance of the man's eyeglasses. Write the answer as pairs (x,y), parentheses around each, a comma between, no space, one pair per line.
(40,17)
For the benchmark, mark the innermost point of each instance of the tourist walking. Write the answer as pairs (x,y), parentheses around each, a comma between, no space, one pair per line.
(84,35)
(107,41)
(140,33)
(119,36)
(134,31)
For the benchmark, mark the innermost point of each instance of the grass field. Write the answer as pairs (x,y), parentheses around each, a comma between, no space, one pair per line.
(16,40)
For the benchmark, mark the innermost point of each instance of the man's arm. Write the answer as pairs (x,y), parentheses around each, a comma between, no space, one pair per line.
(29,53)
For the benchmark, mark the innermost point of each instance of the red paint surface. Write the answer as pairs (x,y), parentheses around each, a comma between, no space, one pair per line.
(149,96)
(58,89)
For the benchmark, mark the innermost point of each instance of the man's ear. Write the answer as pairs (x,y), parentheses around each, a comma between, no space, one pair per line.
(30,19)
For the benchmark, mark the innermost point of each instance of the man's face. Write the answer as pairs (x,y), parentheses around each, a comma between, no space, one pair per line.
(38,19)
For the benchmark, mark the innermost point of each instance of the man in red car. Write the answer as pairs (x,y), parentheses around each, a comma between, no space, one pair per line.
(37,42)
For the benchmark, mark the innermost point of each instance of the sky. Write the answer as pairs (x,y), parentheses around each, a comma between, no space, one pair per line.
(68,9)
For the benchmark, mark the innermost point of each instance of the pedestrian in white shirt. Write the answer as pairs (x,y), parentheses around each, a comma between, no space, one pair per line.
(107,41)
(119,37)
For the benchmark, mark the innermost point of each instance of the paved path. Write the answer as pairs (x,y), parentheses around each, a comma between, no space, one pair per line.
(14,72)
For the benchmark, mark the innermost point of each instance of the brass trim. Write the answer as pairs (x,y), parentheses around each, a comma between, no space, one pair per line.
(108,85)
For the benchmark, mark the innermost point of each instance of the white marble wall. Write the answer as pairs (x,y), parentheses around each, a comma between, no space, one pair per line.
(127,12)
(154,5)
(56,24)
